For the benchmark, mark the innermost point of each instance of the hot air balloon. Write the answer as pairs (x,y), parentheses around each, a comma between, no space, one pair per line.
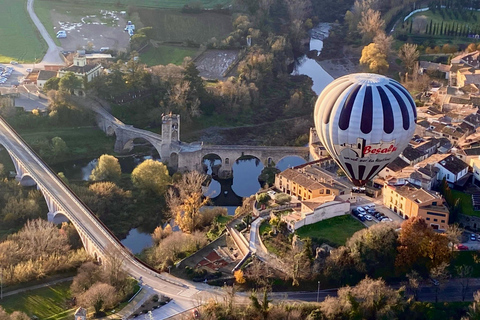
(364,121)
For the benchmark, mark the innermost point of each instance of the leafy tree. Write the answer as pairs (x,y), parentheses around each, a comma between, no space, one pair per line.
(100,296)
(409,54)
(420,247)
(370,299)
(374,59)
(263,198)
(239,278)
(186,199)
(474,308)
(69,82)
(107,168)
(370,25)
(59,147)
(151,176)
(413,283)
(51,84)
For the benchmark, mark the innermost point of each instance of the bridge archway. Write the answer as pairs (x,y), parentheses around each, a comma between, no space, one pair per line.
(141,145)
(211,163)
(59,217)
(27,181)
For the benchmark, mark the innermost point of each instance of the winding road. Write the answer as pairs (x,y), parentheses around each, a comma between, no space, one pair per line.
(53,55)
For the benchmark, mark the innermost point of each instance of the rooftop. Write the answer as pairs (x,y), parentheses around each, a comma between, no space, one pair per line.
(45,75)
(453,164)
(415,194)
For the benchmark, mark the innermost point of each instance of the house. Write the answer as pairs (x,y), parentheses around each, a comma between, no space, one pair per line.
(393,168)
(308,181)
(412,155)
(475,164)
(44,76)
(82,70)
(409,201)
(426,66)
(453,170)
(428,147)
(424,177)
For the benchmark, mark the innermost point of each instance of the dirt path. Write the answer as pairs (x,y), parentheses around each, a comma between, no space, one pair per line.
(53,53)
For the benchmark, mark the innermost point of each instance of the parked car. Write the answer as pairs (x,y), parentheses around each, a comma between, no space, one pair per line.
(13,62)
(434,282)
(28,70)
(473,237)
(368,217)
(361,210)
(461,247)
(355,212)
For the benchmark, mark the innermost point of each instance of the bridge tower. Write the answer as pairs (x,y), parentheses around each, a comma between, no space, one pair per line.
(170,128)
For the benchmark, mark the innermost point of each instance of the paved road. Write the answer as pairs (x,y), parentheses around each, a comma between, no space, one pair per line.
(53,53)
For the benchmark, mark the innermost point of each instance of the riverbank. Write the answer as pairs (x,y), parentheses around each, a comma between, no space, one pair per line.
(339,67)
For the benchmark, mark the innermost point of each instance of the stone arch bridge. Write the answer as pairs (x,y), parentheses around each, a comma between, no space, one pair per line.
(179,155)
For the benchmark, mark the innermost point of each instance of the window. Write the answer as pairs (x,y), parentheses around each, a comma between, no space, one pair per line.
(428,219)
(321,191)
(443,221)
(434,203)
(227,161)
(328,191)
(435,220)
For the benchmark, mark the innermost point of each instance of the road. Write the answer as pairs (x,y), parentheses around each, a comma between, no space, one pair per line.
(185,294)
(53,53)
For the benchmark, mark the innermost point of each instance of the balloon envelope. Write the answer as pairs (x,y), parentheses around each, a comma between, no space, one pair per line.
(364,121)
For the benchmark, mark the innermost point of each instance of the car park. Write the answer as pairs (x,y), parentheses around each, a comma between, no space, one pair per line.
(61,34)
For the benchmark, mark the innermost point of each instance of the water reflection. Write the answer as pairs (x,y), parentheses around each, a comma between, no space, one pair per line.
(245,177)
(289,162)
(137,241)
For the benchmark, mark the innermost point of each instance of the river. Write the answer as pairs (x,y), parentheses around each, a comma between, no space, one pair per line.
(226,193)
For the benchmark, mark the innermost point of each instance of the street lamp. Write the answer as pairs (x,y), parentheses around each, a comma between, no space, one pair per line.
(318,290)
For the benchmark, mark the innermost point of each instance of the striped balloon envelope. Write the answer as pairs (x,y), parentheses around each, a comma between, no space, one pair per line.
(364,121)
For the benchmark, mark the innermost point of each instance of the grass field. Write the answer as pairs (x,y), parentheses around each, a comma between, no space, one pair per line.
(45,303)
(465,203)
(19,38)
(465,258)
(80,141)
(170,25)
(336,230)
(166,54)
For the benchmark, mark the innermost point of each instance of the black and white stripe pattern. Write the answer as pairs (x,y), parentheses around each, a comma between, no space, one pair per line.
(364,106)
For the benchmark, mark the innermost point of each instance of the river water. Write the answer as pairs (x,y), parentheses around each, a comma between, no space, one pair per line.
(226,193)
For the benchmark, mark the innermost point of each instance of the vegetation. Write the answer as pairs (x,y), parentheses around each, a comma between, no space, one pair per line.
(151,177)
(15,21)
(335,230)
(163,54)
(107,168)
(466,206)
(51,302)
(146,3)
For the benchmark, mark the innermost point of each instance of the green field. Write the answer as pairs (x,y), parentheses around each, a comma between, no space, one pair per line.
(166,54)
(336,230)
(45,303)
(170,25)
(19,38)
(449,16)
(465,203)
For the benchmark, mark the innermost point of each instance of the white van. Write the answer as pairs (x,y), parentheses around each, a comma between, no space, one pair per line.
(61,34)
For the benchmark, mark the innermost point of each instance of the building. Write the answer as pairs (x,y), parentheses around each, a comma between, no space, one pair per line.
(44,76)
(453,170)
(409,201)
(308,181)
(82,70)
(317,150)
(316,210)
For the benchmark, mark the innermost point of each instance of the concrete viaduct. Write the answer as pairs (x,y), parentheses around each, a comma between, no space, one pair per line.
(184,156)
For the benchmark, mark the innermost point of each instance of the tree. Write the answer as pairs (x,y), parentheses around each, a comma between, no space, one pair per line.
(69,82)
(464,272)
(383,42)
(471,47)
(100,296)
(370,299)
(370,25)
(262,199)
(474,308)
(420,247)
(151,176)
(264,305)
(409,54)
(51,84)
(239,278)
(107,168)
(414,283)
(374,58)
(185,199)
(439,274)
(59,147)
(454,234)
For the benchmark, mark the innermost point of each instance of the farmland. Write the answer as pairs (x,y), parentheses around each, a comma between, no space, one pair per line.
(20,40)
(172,25)
(166,54)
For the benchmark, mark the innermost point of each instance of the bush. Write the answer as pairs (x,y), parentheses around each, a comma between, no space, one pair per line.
(283,198)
